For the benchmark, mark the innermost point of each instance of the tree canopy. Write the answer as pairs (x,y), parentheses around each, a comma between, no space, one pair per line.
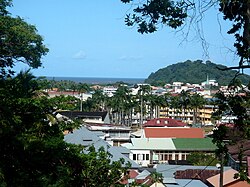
(19,42)
(32,147)
(150,15)
(194,72)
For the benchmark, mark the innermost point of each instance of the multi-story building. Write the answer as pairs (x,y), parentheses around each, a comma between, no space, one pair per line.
(203,115)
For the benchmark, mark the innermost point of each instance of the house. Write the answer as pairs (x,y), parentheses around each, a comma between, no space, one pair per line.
(87,117)
(186,175)
(173,132)
(83,136)
(138,178)
(164,122)
(148,151)
(229,180)
(113,134)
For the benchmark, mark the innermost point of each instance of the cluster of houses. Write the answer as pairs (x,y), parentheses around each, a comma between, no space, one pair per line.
(203,115)
(161,145)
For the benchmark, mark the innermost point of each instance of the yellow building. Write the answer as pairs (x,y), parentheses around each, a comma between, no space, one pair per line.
(203,114)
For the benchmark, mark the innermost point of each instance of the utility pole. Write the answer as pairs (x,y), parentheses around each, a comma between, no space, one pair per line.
(221,169)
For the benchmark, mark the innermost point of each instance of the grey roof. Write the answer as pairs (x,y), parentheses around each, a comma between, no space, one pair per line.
(123,150)
(187,183)
(85,137)
(168,171)
(150,144)
(143,174)
(81,136)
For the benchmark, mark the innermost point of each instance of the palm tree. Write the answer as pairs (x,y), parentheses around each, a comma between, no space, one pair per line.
(142,96)
(175,104)
(156,177)
(122,98)
(163,101)
(196,102)
(184,102)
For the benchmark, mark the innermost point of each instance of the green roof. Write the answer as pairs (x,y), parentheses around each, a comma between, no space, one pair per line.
(196,144)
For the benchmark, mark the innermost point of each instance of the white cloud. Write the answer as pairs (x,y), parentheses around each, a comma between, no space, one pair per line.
(126,58)
(80,55)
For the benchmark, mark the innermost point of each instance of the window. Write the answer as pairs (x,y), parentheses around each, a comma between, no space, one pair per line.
(183,156)
(166,157)
(170,156)
(147,156)
(134,156)
(176,156)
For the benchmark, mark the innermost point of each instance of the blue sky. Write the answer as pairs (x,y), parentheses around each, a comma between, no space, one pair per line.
(90,39)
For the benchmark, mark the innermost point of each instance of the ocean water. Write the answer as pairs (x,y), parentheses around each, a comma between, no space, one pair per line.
(99,80)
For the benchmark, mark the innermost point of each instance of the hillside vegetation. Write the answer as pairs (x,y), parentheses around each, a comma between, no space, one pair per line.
(194,72)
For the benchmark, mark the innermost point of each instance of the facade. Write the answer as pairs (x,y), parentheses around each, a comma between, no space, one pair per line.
(204,114)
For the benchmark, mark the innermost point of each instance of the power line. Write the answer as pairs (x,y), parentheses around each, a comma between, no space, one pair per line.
(200,172)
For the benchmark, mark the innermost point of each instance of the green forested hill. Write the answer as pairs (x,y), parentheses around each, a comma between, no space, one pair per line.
(194,72)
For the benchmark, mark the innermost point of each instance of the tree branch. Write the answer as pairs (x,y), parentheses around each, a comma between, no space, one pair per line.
(234,67)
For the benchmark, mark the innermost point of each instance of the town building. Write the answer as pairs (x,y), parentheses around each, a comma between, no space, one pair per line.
(147,151)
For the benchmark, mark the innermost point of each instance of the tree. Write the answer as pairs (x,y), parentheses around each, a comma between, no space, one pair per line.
(32,147)
(65,103)
(148,15)
(196,102)
(19,42)
(202,159)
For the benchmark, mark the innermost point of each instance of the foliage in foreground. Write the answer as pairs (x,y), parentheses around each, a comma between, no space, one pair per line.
(33,152)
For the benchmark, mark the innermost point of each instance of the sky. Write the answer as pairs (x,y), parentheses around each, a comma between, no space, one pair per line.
(89,38)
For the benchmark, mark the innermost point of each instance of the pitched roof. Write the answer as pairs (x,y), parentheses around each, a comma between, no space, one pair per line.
(168,173)
(164,122)
(182,144)
(199,174)
(194,144)
(79,114)
(85,137)
(187,183)
(163,132)
(228,177)
(150,143)
(131,175)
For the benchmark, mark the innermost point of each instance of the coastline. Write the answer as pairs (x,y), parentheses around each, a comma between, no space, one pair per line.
(98,80)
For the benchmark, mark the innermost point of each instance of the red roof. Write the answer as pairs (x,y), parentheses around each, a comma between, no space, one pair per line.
(164,132)
(164,122)
(131,175)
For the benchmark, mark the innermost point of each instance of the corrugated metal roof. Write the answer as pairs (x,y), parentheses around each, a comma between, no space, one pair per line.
(187,183)
(85,137)
(162,122)
(174,132)
(168,173)
(143,174)
(150,144)
(199,144)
